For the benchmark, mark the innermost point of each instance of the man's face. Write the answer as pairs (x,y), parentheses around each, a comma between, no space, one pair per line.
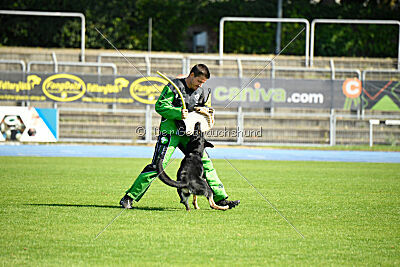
(195,82)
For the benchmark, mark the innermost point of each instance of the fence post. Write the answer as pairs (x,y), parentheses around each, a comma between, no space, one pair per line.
(53,55)
(148,124)
(332,128)
(240,129)
(240,68)
(370,134)
(148,67)
(184,68)
(371,130)
(273,86)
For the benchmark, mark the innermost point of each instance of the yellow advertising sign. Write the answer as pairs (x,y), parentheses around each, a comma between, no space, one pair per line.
(119,84)
(147,90)
(56,88)
(30,83)
(64,87)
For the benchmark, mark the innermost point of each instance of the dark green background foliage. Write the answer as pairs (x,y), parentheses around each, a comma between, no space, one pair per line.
(126,24)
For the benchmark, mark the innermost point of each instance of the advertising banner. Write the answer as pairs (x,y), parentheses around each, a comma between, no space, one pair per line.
(63,87)
(381,95)
(28,124)
(234,92)
(275,93)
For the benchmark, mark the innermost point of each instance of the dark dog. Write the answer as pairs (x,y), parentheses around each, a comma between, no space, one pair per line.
(190,174)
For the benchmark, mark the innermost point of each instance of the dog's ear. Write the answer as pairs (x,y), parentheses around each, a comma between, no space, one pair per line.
(208,144)
(197,130)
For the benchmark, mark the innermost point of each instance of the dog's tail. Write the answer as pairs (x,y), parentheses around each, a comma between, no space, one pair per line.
(166,179)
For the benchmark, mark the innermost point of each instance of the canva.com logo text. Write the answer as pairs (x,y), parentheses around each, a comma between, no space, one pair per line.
(306,98)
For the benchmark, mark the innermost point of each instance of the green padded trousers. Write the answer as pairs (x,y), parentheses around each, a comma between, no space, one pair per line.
(165,147)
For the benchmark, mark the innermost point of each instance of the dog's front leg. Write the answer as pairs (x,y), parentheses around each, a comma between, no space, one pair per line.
(195,205)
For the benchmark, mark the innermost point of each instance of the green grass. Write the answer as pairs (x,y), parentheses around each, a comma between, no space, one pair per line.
(53,208)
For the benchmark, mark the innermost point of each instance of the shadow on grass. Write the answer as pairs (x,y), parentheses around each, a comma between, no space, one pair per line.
(103,206)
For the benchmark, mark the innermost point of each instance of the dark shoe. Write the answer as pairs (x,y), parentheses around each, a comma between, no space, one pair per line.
(126,202)
(229,203)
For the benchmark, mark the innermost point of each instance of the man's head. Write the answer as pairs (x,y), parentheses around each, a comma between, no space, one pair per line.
(198,75)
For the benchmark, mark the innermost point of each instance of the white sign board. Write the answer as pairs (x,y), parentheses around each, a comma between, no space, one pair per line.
(28,124)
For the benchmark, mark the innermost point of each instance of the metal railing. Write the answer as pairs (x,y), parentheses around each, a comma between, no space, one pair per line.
(252,19)
(351,21)
(10,61)
(147,58)
(78,64)
(54,14)
(380,122)
(326,134)
(309,40)
(238,60)
(365,72)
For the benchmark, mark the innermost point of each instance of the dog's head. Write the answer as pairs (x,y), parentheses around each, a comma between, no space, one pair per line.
(197,142)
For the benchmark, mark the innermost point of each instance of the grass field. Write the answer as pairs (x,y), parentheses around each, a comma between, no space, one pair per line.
(53,208)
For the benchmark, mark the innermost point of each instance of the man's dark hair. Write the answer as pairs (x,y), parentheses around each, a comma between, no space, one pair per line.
(200,70)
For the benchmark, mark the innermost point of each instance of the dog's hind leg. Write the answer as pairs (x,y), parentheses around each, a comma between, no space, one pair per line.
(195,205)
(215,206)
(184,195)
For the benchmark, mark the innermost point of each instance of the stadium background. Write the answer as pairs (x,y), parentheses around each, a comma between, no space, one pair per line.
(59,203)
(294,100)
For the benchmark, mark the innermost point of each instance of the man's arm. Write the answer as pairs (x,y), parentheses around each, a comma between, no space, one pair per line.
(164,105)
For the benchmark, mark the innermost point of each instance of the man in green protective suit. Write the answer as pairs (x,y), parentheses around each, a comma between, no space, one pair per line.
(172,135)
